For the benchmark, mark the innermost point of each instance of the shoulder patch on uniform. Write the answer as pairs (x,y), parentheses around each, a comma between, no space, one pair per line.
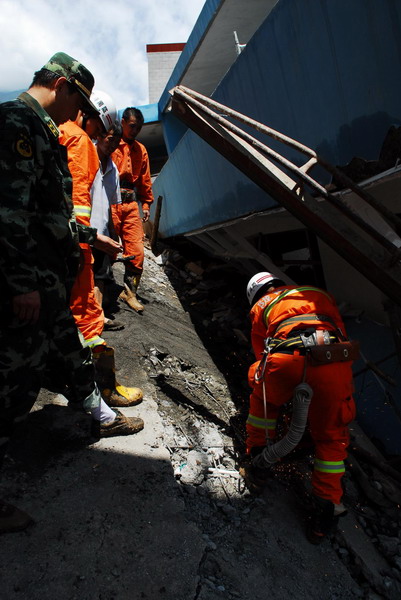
(23,146)
(53,128)
(264,301)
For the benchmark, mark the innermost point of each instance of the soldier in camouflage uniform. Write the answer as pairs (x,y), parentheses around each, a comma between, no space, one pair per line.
(39,258)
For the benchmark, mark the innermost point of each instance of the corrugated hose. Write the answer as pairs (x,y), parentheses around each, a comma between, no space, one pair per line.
(300,406)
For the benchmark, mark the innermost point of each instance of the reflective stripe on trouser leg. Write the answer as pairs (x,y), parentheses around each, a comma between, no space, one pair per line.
(329,466)
(256,428)
(93,341)
(331,410)
(326,479)
(260,418)
(262,423)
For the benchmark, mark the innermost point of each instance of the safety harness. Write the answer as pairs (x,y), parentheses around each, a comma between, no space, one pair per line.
(300,340)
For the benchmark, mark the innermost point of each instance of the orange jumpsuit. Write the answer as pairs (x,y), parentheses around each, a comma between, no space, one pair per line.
(83,163)
(332,406)
(133,165)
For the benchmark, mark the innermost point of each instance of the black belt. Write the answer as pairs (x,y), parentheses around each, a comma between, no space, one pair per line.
(128,196)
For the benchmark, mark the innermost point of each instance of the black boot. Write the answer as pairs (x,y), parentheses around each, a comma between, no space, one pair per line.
(256,450)
(255,477)
(323,520)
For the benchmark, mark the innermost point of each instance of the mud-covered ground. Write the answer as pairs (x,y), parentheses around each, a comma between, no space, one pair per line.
(163,514)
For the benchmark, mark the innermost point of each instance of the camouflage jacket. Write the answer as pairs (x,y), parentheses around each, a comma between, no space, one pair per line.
(38,234)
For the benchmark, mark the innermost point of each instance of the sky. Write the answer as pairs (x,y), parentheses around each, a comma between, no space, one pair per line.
(108,36)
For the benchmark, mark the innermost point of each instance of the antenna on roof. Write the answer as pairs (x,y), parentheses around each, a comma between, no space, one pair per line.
(238,47)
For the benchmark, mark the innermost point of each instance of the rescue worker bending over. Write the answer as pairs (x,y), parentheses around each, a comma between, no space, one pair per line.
(287,321)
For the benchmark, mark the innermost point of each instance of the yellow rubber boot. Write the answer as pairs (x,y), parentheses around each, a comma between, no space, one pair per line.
(113,393)
(131,283)
(130,298)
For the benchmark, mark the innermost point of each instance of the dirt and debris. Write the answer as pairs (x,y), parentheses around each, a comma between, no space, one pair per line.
(164,514)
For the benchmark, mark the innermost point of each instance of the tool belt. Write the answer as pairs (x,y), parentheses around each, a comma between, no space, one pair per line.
(339,352)
(321,346)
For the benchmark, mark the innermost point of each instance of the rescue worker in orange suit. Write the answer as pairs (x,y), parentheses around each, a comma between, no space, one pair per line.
(132,162)
(83,163)
(285,320)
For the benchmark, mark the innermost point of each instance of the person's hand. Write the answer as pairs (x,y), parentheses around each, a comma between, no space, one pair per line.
(26,307)
(107,245)
(145,215)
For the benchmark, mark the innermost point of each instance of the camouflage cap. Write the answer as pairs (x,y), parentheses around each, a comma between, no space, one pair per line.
(64,65)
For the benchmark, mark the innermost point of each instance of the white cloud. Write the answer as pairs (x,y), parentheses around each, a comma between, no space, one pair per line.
(108,36)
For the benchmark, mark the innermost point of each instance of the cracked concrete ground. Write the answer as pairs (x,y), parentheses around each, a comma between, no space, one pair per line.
(129,518)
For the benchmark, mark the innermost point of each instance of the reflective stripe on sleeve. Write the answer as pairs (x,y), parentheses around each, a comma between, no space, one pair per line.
(82,210)
(93,341)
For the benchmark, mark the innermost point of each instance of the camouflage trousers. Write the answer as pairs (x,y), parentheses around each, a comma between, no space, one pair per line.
(46,354)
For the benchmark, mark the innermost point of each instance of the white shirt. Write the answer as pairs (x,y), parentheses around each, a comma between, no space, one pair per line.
(105,191)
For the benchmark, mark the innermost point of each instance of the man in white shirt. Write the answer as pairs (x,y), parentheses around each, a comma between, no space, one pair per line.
(105,191)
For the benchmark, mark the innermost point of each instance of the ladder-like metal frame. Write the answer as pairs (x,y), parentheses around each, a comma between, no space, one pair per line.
(344,230)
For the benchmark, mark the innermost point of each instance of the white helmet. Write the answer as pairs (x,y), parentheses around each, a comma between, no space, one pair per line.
(106,107)
(257,282)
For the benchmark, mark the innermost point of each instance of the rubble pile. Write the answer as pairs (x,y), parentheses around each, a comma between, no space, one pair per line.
(213,294)
(164,513)
(374,501)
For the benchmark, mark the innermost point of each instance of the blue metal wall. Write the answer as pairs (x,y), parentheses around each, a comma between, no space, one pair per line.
(375,397)
(324,72)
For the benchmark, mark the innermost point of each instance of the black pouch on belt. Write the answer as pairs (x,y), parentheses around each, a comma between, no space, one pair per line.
(330,353)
